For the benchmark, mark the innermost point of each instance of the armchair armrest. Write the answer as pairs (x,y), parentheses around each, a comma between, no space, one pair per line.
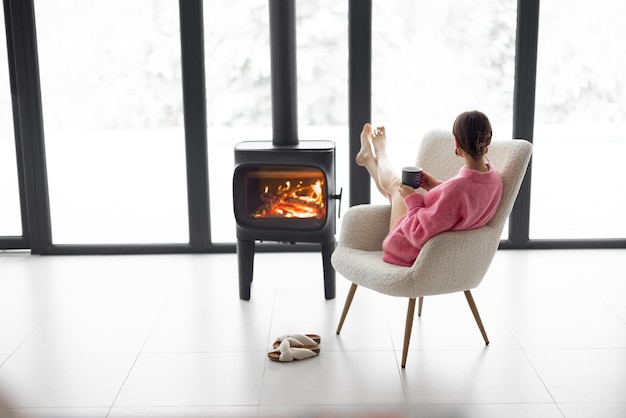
(364,227)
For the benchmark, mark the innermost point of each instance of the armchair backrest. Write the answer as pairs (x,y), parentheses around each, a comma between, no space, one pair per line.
(436,154)
(511,159)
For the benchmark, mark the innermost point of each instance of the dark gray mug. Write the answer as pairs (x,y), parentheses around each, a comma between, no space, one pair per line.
(412,176)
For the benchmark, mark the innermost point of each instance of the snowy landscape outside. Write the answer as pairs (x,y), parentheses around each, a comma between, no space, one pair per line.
(113,113)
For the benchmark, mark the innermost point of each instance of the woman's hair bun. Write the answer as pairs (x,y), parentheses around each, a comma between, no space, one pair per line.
(483,140)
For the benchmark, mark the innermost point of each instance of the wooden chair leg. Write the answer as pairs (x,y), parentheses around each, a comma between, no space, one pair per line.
(419,306)
(346,306)
(472,304)
(407,330)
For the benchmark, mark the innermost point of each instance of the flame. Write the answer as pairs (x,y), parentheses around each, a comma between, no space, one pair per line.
(303,201)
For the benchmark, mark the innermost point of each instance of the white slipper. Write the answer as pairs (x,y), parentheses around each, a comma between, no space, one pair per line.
(286,352)
(303,339)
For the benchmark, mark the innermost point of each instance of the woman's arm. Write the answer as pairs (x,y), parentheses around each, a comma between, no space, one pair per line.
(431,214)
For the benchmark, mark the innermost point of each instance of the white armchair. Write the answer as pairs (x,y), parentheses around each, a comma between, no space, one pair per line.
(453,261)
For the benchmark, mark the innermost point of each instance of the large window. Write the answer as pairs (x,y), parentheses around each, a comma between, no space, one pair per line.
(112,107)
(113,150)
(10,218)
(580,122)
(237,54)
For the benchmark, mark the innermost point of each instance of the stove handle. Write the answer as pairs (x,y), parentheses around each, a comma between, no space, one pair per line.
(338,197)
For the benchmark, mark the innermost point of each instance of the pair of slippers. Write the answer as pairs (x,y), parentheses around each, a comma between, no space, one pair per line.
(295,347)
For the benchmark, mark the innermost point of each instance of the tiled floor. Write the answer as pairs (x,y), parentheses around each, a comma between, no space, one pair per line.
(167,336)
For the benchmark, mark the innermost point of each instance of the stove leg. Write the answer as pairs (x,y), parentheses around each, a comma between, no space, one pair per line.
(329,271)
(245,259)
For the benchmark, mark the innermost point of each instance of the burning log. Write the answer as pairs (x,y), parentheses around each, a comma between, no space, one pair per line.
(303,201)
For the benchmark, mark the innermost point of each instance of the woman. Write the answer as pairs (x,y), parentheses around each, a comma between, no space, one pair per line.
(466,201)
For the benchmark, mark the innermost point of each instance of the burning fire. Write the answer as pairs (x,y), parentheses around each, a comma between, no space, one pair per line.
(300,201)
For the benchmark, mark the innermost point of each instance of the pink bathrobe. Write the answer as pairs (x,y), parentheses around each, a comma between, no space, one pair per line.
(466,201)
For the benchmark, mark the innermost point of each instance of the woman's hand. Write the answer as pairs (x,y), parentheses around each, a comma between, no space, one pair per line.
(428,182)
(406,191)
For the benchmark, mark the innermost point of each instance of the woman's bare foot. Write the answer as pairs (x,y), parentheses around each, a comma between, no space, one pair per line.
(365,153)
(379,141)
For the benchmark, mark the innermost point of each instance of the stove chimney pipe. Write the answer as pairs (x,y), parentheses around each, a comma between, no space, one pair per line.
(283,72)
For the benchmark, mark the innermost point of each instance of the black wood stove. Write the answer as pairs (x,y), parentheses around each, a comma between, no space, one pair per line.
(284,189)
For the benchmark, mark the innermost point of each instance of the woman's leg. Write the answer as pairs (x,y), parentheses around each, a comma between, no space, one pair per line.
(386,174)
(398,208)
(388,178)
(383,173)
